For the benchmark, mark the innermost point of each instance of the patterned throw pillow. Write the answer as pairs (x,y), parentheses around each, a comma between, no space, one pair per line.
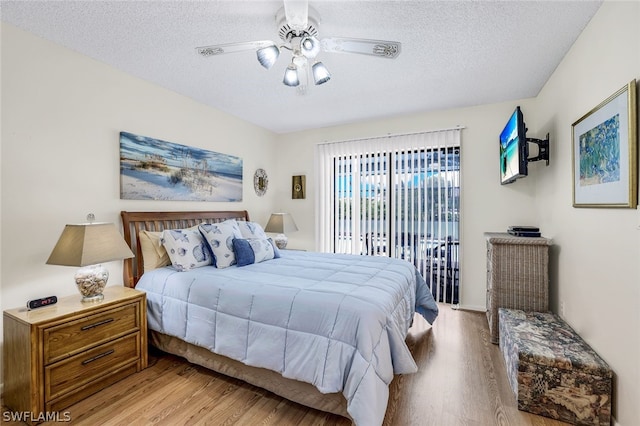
(254,250)
(251,230)
(186,248)
(220,237)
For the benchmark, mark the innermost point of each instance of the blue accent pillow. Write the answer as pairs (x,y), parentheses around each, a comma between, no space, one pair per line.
(254,250)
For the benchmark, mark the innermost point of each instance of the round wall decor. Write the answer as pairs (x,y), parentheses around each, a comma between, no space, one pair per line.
(260,182)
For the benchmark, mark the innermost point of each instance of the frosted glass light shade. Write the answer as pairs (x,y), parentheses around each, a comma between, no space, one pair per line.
(309,47)
(320,73)
(267,56)
(291,76)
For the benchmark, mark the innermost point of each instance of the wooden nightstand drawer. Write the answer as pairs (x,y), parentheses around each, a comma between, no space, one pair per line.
(55,356)
(77,371)
(70,338)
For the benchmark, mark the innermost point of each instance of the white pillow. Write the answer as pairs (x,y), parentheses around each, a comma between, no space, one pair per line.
(220,237)
(251,230)
(186,248)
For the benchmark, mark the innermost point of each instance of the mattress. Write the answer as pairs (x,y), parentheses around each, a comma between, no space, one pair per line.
(335,321)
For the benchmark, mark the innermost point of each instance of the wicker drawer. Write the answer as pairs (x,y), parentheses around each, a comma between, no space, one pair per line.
(517,275)
(73,337)
(489,266)
(82,369)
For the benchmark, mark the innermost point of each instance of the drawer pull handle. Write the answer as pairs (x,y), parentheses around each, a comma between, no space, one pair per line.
(97,357)
(98,324)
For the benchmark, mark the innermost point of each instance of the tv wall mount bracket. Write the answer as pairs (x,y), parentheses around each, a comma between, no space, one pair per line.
(543,149)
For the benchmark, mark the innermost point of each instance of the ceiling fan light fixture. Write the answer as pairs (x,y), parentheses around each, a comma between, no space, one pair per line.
(309,47)
(297,24)
(267,56)
(320,73)
(291,76)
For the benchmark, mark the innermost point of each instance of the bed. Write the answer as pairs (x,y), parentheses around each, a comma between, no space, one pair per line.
(323,330)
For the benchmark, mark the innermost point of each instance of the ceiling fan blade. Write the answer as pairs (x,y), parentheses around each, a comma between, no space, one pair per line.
(363,46)
(219,49)
(297,14)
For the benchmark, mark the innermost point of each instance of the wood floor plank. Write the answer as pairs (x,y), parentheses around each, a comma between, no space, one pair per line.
(461,381)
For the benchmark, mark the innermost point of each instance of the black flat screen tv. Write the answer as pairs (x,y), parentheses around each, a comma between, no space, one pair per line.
(513,149)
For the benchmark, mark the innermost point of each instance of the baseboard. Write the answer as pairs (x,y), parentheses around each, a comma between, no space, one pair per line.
(471,308)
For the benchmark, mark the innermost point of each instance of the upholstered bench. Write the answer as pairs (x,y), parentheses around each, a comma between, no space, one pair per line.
(552,371)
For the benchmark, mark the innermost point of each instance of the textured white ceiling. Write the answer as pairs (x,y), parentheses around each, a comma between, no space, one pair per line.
(454,53)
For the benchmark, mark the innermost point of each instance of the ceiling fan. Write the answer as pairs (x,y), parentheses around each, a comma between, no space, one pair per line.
(297,25)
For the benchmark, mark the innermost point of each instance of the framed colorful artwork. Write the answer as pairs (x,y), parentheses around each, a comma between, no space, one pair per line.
(605,153)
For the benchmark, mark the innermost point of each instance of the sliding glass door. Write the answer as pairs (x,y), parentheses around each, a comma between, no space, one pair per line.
(399,202)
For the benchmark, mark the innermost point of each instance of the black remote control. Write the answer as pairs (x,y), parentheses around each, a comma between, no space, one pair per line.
(39,303)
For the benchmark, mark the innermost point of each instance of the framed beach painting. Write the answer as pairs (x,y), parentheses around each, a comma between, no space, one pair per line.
(153,169)
(605,153)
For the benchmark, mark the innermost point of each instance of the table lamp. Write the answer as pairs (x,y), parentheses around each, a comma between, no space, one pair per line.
(281,223)
(88,245)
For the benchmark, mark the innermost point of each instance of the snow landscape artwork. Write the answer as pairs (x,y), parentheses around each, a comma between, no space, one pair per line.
(153,169)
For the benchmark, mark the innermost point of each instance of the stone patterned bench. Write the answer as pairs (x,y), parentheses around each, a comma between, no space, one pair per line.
(552,371)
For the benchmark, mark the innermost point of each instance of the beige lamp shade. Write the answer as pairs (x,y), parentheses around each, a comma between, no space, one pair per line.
(281,223)
(89,244)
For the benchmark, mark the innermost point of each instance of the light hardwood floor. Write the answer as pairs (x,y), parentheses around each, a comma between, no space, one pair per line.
(461,381)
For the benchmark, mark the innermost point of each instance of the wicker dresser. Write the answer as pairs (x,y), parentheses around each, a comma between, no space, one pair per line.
(517,275)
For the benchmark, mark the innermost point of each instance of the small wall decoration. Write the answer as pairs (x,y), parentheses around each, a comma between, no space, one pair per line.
(153,169)
(605,143)
(298,190)
(260,182)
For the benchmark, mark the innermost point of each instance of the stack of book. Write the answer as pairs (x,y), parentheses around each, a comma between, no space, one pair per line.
(524,231)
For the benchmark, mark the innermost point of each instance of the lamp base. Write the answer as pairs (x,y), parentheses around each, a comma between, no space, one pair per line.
(90,299)
(91,281)
(281,241)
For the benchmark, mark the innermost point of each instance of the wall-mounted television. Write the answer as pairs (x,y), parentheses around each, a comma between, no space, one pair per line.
(513,149)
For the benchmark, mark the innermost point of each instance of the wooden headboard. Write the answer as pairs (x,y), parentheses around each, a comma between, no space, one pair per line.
(134,222)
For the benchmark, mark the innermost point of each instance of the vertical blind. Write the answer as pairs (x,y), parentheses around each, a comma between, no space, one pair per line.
(395,196)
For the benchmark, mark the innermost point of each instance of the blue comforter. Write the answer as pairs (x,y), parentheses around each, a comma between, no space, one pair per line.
(336,321)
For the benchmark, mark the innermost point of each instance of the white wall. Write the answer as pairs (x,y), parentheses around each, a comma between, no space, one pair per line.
(597,251)
(596,254)
(61,117)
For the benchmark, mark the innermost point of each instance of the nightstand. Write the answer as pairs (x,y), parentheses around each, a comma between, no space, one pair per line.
(60,354)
